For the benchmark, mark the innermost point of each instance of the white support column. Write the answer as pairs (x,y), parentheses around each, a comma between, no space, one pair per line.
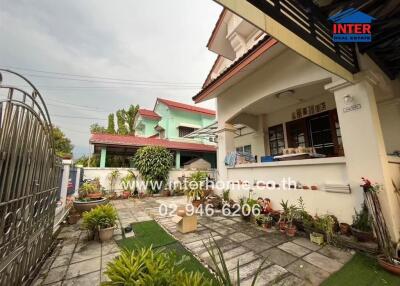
(363,144)
(64,182)
(226,144)
(77,179)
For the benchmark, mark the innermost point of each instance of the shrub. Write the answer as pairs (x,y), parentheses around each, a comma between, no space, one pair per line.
(362,220)
(150,267)
(196,185)
(153,164)
(101,217)
(89,188)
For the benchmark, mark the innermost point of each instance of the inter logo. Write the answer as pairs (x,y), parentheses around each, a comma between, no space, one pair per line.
(351,25)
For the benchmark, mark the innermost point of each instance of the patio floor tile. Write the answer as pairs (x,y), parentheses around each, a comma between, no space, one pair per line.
(257,244)
(328,264)
(294,249)
(61,260)
(239,237)
(267,276)
(243,259)
(308,272)
(84,267)
(306,243)
(290,280)
(343,256)
(84,280)
(55,275)
(278,256)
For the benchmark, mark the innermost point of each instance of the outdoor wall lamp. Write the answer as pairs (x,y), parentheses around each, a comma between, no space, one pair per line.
(348,99)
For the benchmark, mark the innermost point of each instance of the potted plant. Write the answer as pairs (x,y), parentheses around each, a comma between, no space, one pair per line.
(225,195)
(325,225)
(291,214)
(195,187)
(282,223)
(361,227)
(344,228)
(127,183)
(73,216)
(247,208)
(89,197)
(317,238)
(268,220)
(113,177)
(100,221)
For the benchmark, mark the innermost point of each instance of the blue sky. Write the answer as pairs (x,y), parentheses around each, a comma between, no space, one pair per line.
(157,46)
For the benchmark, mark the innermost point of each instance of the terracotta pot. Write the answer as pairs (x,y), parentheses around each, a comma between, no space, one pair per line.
(395,269)
(291,231)
(344,228)
(362,236)
(106,233)
(196,203)
(87,206)
(126,194)
(73,218)
(96,195)
(282,225)
(267,225)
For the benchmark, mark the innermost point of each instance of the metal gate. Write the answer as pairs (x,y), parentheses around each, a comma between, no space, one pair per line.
(29,180)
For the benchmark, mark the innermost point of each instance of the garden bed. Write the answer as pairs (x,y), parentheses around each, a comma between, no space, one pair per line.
(150,233)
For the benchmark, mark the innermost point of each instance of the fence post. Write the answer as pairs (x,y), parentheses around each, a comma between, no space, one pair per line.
(64,182)
(77,179)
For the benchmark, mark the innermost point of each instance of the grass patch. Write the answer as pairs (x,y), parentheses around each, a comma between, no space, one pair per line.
(362,270)
(150,233)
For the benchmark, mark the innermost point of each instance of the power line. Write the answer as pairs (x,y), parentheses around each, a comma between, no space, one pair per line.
(104,78)
(64,103)
(78,117)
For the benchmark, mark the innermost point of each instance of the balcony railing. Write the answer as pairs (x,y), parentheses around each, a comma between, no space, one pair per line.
(303,18)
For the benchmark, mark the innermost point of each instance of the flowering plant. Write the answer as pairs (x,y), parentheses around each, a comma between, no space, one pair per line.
(368,186)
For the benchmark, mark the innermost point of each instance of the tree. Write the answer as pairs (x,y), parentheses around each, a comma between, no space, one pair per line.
(130,115)
(96,128)
(122,130)
(153,164)
(62,144)
(111,125)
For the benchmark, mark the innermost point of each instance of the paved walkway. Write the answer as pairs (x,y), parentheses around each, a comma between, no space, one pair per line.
(289,261)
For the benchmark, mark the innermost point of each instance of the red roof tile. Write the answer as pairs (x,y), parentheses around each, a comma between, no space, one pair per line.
(186,107)
(149,114)
(129,140)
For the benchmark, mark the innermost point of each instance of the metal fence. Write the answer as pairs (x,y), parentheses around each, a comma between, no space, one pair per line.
(29,180)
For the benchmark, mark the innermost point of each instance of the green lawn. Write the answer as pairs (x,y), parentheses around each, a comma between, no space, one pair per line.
(362,270)
(149,233)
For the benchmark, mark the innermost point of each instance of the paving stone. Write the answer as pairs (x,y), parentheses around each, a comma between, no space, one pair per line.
(107,258)
(306,243)
(108,247)
(246,270)
(308,272)
(278,256)
(225,230)
(239,237)
(276,238)
(257,244)
(294,249)
(84,280)
(83,267)
(67,248)
(290,280)
(243,259)
(55,275)
(267,276)
(340,255)
(86,251)
(234,252)
(228,222)
(61,260)
(328,264)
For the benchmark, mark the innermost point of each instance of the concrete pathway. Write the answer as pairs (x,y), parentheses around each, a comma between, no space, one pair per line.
(77,261)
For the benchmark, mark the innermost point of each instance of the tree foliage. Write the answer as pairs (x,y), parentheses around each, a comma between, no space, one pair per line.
(96,128)
(62,144)
(153,164)
(122,128)
(111,124)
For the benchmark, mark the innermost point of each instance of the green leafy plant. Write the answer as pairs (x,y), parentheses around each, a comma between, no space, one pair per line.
(103,216)
(196,185)
(113,177)
(325,224)
(225,195)
(128,180)
(88,188)
(153,164)
(150,267)
(362,220)
(221,270)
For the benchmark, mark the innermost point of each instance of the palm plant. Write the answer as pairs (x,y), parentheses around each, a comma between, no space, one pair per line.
(113,177)
(221,270)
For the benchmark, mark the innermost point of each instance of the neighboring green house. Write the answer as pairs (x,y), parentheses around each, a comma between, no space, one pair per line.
(172,120)
(166,125)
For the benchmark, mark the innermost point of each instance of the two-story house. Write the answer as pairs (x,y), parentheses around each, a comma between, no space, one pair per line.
(166,125)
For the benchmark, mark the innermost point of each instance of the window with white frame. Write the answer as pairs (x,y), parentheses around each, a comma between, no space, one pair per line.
(244,149)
